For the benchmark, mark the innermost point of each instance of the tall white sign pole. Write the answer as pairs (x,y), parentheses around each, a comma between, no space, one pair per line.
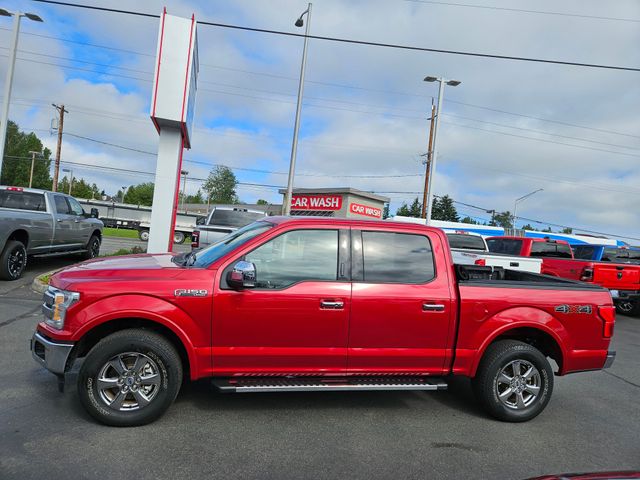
(172,109)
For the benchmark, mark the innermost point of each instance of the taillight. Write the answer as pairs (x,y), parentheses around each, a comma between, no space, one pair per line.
(587,274)
(195,239)
(481,262)
(608,314)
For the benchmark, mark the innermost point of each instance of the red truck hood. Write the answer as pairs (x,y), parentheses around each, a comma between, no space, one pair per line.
(119,268)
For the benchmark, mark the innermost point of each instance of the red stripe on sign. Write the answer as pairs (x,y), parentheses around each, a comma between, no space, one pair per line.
(155,93)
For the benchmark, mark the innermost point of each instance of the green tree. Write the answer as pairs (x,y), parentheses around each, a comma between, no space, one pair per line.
(414,210)
(197,198)
(547,230)
(470,220)
(79,189)
(221,185)
(141,194)
(567,230)
(262,201)
(16,167)
(503,219)
(528,227)
(385,211)
(443,209)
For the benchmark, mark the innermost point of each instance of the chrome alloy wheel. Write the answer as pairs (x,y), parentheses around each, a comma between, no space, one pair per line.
(518,384)
(128,381)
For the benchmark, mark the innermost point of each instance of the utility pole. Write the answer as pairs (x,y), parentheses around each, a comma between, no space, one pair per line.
(428,162)
(56,169)
(33,161)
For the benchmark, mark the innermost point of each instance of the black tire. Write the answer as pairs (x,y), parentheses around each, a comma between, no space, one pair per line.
(143,234)
(518,403)
(93,248)
(162,375)
(13,260)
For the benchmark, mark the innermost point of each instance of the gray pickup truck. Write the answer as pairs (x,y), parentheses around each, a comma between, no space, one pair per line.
(41,223)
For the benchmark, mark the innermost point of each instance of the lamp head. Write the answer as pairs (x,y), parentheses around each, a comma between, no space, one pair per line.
(34,17)
(430,79)
(5,13)
(299,22)
(453,83)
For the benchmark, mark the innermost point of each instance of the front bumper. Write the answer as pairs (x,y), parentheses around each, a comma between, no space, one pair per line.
(50,354)
(611,356)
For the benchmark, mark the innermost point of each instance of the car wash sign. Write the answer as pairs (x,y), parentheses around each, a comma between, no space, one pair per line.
(316,202)
(365,210)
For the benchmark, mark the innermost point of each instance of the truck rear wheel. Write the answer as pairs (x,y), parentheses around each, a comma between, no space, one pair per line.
(13,260)
(130,378)
(514,381)
(178,237)
(627,307)
(143,234)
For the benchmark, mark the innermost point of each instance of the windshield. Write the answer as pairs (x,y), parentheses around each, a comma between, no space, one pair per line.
(466,242)
(620,254)
(213,252)
(506,246)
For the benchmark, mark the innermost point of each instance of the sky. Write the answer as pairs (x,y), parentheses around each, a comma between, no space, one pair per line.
(509,128)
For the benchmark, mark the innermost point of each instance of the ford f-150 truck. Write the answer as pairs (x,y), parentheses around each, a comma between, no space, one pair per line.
(316,304)
(615,271)
(37,223)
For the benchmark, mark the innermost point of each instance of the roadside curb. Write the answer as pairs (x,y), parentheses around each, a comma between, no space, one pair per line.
(38,285)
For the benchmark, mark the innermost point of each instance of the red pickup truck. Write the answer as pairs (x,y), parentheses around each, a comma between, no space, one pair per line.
(316,304)
(622,279)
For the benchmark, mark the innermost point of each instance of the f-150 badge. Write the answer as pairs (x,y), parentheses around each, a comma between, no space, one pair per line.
(182,292)
(574,309)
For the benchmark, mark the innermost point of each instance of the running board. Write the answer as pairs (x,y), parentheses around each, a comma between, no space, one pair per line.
(60,254)
(326,384)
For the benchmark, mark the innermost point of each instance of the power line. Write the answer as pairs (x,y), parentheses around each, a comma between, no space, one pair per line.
(358,42)
(520,10)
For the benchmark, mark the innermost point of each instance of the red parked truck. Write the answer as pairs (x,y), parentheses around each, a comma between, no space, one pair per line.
(316,304)
(621,279)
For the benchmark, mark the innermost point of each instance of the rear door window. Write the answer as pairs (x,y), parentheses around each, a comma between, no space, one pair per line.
(550,249)
(22,200)
(507,246)
(391,257)
(234,218)
(466,242)
(583,252)
(62,207)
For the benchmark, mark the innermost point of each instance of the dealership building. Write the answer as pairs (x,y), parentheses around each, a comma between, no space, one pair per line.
(337,202)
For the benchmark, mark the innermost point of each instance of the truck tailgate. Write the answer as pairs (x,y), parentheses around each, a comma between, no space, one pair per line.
(617,276)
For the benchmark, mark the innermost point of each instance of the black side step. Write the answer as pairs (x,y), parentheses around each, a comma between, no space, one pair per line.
(326,384)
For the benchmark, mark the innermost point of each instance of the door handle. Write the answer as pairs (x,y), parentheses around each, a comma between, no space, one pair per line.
(432,307)
(331,304)
(59,220)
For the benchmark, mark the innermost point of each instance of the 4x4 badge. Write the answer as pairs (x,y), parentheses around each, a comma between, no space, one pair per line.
(574,309)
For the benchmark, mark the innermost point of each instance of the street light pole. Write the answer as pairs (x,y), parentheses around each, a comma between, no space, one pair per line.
(184,184)
(8,83)
(520,199)
(286,208)
(434,153)
(70,172)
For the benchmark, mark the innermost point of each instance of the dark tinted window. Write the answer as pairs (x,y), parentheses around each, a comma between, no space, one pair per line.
(506,246)
(467,242)
(550,249)
(397,258)
(583,252)
(22,200)
(296,256)
(234,218)
(61,204)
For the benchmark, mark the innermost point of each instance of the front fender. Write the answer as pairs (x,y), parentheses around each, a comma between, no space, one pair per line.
(510,319)
(141,307)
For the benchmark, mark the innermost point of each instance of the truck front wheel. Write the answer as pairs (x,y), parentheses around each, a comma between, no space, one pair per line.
(13,260)
(514,381)
(130,378)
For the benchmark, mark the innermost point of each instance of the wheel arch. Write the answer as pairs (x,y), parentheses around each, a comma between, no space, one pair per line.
(97,332)
(20,235)
(548,336)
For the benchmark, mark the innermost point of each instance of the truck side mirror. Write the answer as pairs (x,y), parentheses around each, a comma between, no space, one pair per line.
(94,213)
(243,275)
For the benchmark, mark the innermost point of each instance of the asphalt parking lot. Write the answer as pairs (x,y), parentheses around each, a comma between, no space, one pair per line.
(591,424)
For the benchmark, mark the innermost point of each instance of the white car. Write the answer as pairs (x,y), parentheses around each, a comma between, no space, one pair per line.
(469,248)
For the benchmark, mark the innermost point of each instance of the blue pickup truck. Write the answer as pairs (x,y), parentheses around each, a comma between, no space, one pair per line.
(607,253)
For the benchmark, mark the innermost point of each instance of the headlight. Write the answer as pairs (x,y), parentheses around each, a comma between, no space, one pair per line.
(55,306)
